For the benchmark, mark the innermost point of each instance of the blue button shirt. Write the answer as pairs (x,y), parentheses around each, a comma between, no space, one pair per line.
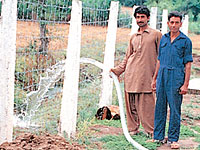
(176,54)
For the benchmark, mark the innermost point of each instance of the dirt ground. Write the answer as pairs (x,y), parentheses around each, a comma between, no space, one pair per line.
(186,144)
(30,141)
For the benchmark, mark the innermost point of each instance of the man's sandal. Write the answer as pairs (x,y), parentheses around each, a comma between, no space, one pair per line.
(174,145)
(156,141)
(134,132)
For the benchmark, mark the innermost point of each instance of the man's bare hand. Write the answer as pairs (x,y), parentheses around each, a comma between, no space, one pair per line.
(183,90)
(115,74)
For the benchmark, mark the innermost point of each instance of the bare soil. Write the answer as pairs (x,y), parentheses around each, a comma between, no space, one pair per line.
(185,144)
(30,141)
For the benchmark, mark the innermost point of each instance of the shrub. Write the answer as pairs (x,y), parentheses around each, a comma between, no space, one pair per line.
(194,27)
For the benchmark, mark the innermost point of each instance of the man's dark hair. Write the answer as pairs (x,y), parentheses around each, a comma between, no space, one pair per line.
(175,14)
(142,10)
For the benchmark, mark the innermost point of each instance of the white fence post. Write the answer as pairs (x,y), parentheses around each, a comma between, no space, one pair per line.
(134,27)
(107,82)
(185,24)
(153,17)
(164,21)
(7,67)
(68,114)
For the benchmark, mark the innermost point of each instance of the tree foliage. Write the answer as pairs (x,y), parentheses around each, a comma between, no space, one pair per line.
(185,6)
(60,9)
(95,11)
(0,7)
(191,6)
(44,9)
(131,3)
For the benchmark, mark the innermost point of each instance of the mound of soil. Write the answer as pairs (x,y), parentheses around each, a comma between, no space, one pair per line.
(29,141)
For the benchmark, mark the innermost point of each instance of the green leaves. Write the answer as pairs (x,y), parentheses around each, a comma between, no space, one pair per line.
(48,10)
(184,6)
(0,7)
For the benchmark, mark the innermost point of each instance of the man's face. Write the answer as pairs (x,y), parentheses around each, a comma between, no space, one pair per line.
(174,24)
(141,20)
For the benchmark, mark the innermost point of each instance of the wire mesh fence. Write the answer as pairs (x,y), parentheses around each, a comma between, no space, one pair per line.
(42,36)
(42,40)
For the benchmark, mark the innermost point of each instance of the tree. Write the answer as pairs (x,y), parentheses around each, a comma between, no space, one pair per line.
(95,12)
(131,3)
(0,7)
(44,11)
(191,6)
(184,6)
(161,4)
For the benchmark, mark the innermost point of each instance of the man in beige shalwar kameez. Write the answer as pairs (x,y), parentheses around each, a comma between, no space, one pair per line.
(139,66)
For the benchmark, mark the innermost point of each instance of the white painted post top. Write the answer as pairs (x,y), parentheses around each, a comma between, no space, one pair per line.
(185,25)
(134,27)
(194,84)
(164,21)
(153,17)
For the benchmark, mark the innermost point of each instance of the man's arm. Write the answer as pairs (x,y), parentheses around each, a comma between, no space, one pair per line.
(119,69)
(184,88)
(159,36)
(153,84)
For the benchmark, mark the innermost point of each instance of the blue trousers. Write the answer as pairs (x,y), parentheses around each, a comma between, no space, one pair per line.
(168,83)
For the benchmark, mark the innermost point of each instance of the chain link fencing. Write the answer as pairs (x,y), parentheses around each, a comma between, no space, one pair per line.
(42,37)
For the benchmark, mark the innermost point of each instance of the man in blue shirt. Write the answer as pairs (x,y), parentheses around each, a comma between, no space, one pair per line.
(171,79)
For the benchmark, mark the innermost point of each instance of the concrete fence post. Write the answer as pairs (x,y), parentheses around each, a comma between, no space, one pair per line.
(107,82)
(134,27)
(68,114)
(8,22)
(153,17)
(185,24)
(164,21)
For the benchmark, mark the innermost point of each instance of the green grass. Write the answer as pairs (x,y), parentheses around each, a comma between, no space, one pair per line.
(192,106)
(189,113)
(195,51)
(186,132)
(194,72)
(89,95)
(112,142)
(196,128)
(197,139)
(112,123)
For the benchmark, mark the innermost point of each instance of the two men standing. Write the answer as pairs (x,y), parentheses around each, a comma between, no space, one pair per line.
(170,80)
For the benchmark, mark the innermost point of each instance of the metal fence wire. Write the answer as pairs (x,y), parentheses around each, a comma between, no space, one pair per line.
(42,37)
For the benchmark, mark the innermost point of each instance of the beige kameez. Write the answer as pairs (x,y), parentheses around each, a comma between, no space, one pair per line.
(139,66)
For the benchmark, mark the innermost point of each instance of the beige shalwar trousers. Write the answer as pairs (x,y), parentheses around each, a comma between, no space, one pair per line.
(140,109)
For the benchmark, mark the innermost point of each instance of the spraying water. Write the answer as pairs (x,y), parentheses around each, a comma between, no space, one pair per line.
(54,74)
(47,82)
(35,98)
